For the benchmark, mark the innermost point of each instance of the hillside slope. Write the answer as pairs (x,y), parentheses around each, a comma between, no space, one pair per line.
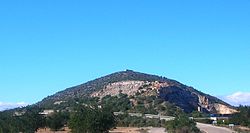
(140,84)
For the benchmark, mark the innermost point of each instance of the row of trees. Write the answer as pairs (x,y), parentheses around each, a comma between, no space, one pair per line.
(83,115)
(29,122)
(242,117)
(82,119)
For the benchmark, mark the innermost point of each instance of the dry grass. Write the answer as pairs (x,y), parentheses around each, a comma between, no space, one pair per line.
(47,130)
(129,130)
(117,130)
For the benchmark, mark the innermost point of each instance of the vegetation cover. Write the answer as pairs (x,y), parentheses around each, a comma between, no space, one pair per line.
(84,119)
(181,95)
(91,120)
(90,115)
(76,109)
(242,117)
(28,122)
(182,124)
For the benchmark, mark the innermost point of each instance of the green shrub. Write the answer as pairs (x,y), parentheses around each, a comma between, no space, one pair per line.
(182,124)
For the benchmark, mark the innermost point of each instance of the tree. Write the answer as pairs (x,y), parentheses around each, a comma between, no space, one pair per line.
(117,103)
(91,120)
(182,124)
(31,120)
(196,114)
(242,117)
(57,120)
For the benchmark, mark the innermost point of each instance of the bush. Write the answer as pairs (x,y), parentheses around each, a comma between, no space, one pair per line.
(29,122)
(57,120)
(134,121)
(91,120)
(182,124)
(242,118)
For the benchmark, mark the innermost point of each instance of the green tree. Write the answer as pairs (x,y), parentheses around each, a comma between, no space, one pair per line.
(182,124)
(196,114)
(91,120)
(117,103)
(242,117)
(31,120)
(57,120)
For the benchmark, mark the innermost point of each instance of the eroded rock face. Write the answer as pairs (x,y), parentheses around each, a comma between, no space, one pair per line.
(130,88)
(203,100)
(183,97)
(216,108)
(125,87)
(135,83)
(221,109)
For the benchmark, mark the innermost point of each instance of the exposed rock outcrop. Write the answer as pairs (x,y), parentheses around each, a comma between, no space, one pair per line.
(135,83)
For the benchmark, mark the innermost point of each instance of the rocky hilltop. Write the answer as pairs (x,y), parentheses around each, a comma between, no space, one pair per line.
(136,84)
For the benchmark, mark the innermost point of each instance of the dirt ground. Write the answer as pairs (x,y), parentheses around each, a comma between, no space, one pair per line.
(47,130)
(117,130)
(129,130)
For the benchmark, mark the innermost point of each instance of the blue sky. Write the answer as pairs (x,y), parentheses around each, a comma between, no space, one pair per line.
(47,46)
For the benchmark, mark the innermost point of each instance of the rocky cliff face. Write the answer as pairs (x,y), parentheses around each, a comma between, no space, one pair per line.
(135,83)
(130,88)
(184,98)
(126,87)
(220,109)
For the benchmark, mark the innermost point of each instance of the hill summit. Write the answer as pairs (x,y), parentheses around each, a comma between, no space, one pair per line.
(136,84)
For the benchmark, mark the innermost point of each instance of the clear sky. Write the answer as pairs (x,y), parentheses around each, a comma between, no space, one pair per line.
(49,45)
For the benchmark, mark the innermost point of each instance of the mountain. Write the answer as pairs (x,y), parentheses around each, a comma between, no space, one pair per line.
(136,84)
